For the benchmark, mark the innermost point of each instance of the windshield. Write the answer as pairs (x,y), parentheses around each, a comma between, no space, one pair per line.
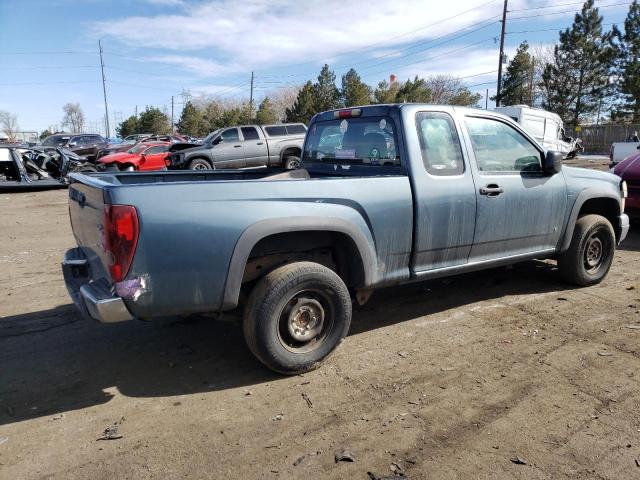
(354,141)
(55,141)
(138,149)
(209,137)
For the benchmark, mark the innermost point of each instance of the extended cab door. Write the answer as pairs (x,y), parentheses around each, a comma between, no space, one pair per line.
(254,145)
(520,209)
(444,193)
(227,150)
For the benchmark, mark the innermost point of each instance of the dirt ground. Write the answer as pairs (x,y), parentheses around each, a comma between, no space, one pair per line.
(442,380)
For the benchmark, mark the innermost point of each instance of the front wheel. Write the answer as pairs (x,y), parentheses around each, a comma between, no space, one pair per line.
(199,164)
(296,316)
(590,254)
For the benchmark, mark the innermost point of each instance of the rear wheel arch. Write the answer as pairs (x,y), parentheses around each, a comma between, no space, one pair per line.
(353,254)
(290,151)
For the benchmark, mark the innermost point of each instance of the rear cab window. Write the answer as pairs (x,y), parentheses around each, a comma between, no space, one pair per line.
(296,129)
(364,141)
(439,144)
(250,133)
(276,131)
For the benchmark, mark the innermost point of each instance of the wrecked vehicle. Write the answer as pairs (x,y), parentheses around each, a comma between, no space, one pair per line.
(86,144)
(142,157)
(387,195)
(24,168)
(244,147)
(546,127)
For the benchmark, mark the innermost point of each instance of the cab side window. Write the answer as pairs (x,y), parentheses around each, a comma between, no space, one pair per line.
(230,135)
(158,149)
(439,144)
(250,133)
(498,147)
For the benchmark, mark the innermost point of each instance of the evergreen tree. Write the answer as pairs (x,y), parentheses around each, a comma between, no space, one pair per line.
(628,67)
(517,84)
(385,92)
(266,113)
(304,107)
(152,120)
(127,127)
(465,98)
(190,122)
(354,91)
(415,91)
(327,95)
(45,133)
(578,78)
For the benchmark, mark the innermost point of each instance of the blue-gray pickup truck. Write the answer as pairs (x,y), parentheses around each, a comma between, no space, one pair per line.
(387,194)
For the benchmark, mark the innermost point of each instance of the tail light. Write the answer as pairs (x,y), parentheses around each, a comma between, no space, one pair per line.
(121,237)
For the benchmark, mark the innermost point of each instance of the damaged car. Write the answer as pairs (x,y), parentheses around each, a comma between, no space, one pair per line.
(42,167)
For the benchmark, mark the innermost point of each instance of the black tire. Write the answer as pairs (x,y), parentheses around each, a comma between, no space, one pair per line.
(590,254)
(292,163)
(284,305)
(199,164)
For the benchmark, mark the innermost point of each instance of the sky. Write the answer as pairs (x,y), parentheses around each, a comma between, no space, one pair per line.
(156,49)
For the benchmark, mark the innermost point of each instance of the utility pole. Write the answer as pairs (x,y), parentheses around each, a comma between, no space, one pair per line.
(251,100)
(486,100)
(104,91)
(504,25)
(172,114)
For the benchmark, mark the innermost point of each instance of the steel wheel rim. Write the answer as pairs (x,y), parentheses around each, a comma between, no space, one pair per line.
(294,164)
(200,166)
(593,253)
(305,321)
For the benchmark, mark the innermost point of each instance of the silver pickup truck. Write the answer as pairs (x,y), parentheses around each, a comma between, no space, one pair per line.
(387,195)
(243,147)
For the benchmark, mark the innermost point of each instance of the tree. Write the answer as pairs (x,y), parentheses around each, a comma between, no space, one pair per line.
(152,120)
(283,98)
(518,82)
(628,66)
(449,90)
(127,127)
(9,124)
(577,80)
(415,91)
(327,95)
(304,107)
(386,92)
(191,119)
(354,91)
(73,117)
(45,133)
(266,113)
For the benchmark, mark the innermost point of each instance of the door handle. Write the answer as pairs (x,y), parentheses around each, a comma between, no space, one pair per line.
(237,146)
(260,143)
(491,190)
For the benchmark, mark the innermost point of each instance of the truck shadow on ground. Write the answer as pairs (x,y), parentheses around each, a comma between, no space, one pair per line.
(54,361)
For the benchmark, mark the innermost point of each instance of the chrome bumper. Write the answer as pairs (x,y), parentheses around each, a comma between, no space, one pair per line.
(94,299)
(623,222)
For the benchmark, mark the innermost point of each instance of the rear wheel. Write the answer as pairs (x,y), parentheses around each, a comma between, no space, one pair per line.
(296,316)
(590,254)
(199,164)
(292,163)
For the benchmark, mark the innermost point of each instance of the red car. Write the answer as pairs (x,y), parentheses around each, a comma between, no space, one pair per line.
(141,157)
(629,171)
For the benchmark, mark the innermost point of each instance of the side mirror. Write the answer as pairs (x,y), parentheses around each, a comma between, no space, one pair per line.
(552,162)
(217,141)
(72,144)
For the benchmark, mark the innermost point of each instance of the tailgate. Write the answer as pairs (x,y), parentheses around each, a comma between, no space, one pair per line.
(86,212)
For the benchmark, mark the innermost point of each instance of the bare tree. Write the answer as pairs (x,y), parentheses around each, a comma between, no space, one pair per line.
(9,124)
(449,90)
(542,56)
(283,98)
(73,117)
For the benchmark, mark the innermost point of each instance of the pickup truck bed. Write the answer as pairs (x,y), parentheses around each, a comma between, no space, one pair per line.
(389,194)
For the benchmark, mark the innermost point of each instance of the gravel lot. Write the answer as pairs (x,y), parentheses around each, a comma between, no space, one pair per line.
(454,378)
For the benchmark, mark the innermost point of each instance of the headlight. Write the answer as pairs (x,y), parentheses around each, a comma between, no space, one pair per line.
(623,189)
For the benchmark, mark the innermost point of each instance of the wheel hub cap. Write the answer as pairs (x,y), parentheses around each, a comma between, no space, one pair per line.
(306,318)
(593,252)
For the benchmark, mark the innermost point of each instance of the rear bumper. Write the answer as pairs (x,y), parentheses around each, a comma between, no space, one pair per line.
(94,299)
(623,224)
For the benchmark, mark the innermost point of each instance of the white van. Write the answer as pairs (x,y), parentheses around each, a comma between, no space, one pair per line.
(546,127)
